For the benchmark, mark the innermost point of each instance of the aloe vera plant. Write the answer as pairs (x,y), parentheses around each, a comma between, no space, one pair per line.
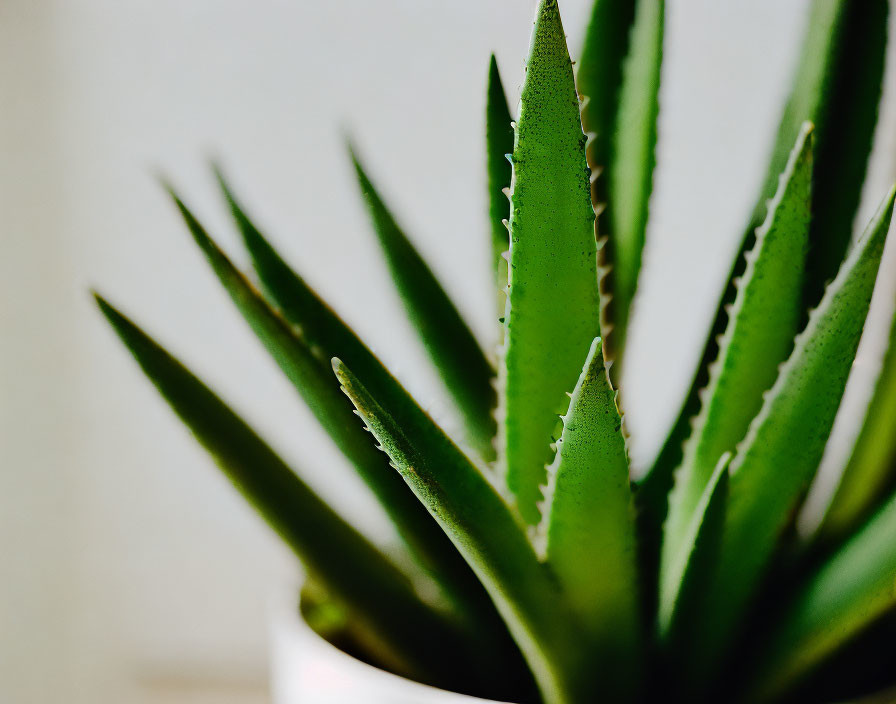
(536,569)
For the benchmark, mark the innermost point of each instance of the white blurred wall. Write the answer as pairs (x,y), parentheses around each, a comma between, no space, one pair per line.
(129,570)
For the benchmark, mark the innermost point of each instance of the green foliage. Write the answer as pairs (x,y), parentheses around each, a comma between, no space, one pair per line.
(499,145)
(484,529)
(589,527)
(686,569)
(599,79)
(557,579)
(837,601)
(618,76)
(464,369)
(777,459)
(552,307)
(393,622)
(871,469)
(311,374)
(836,87)
(759,336)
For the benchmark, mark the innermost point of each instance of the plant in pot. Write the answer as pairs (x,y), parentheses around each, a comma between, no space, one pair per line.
(542,571)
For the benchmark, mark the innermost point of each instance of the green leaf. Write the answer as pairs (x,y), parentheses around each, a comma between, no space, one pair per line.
(463,366)
(396,625)
(652,503)
(836,87)
(599,77)
(872,465)
(630,167)
(486,532)
(780,454)
(685,578)
(320,326)
(762,324)
(499,145)
(553,307)
(837,603)
(312,376)
(589,528)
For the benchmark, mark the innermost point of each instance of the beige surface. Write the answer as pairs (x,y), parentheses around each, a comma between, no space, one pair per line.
(202,692)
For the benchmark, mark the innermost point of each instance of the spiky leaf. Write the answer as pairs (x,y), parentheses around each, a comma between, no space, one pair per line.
(630,168)
(599,73)
(552,308)
(761,327)
(487,533)
(780,454)
(684,577)
(394,622)
(836,87)
(590,527)
(321,328)
(837,603)
(457,356)
(599,79)
(312,376)
(499,145)
(871,468)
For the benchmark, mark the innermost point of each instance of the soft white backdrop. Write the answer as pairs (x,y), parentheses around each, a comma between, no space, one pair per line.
(129,571)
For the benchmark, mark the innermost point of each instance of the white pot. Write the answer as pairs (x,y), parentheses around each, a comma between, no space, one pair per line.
(306,669)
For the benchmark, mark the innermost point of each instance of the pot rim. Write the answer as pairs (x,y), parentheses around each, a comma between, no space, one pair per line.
(291,634)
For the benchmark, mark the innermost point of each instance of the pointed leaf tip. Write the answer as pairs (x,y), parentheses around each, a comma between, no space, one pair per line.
(552,248)
(791,431)
(762,323)
(499,144)
(195,228)
(305,364)
(871,466)
(627,150)
(380,598)
(105,307)
(590,521)
(465,371)
(480,524)
(837,85)
(683,576)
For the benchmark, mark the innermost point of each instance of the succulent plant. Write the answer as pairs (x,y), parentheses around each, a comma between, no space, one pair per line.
(543,572)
